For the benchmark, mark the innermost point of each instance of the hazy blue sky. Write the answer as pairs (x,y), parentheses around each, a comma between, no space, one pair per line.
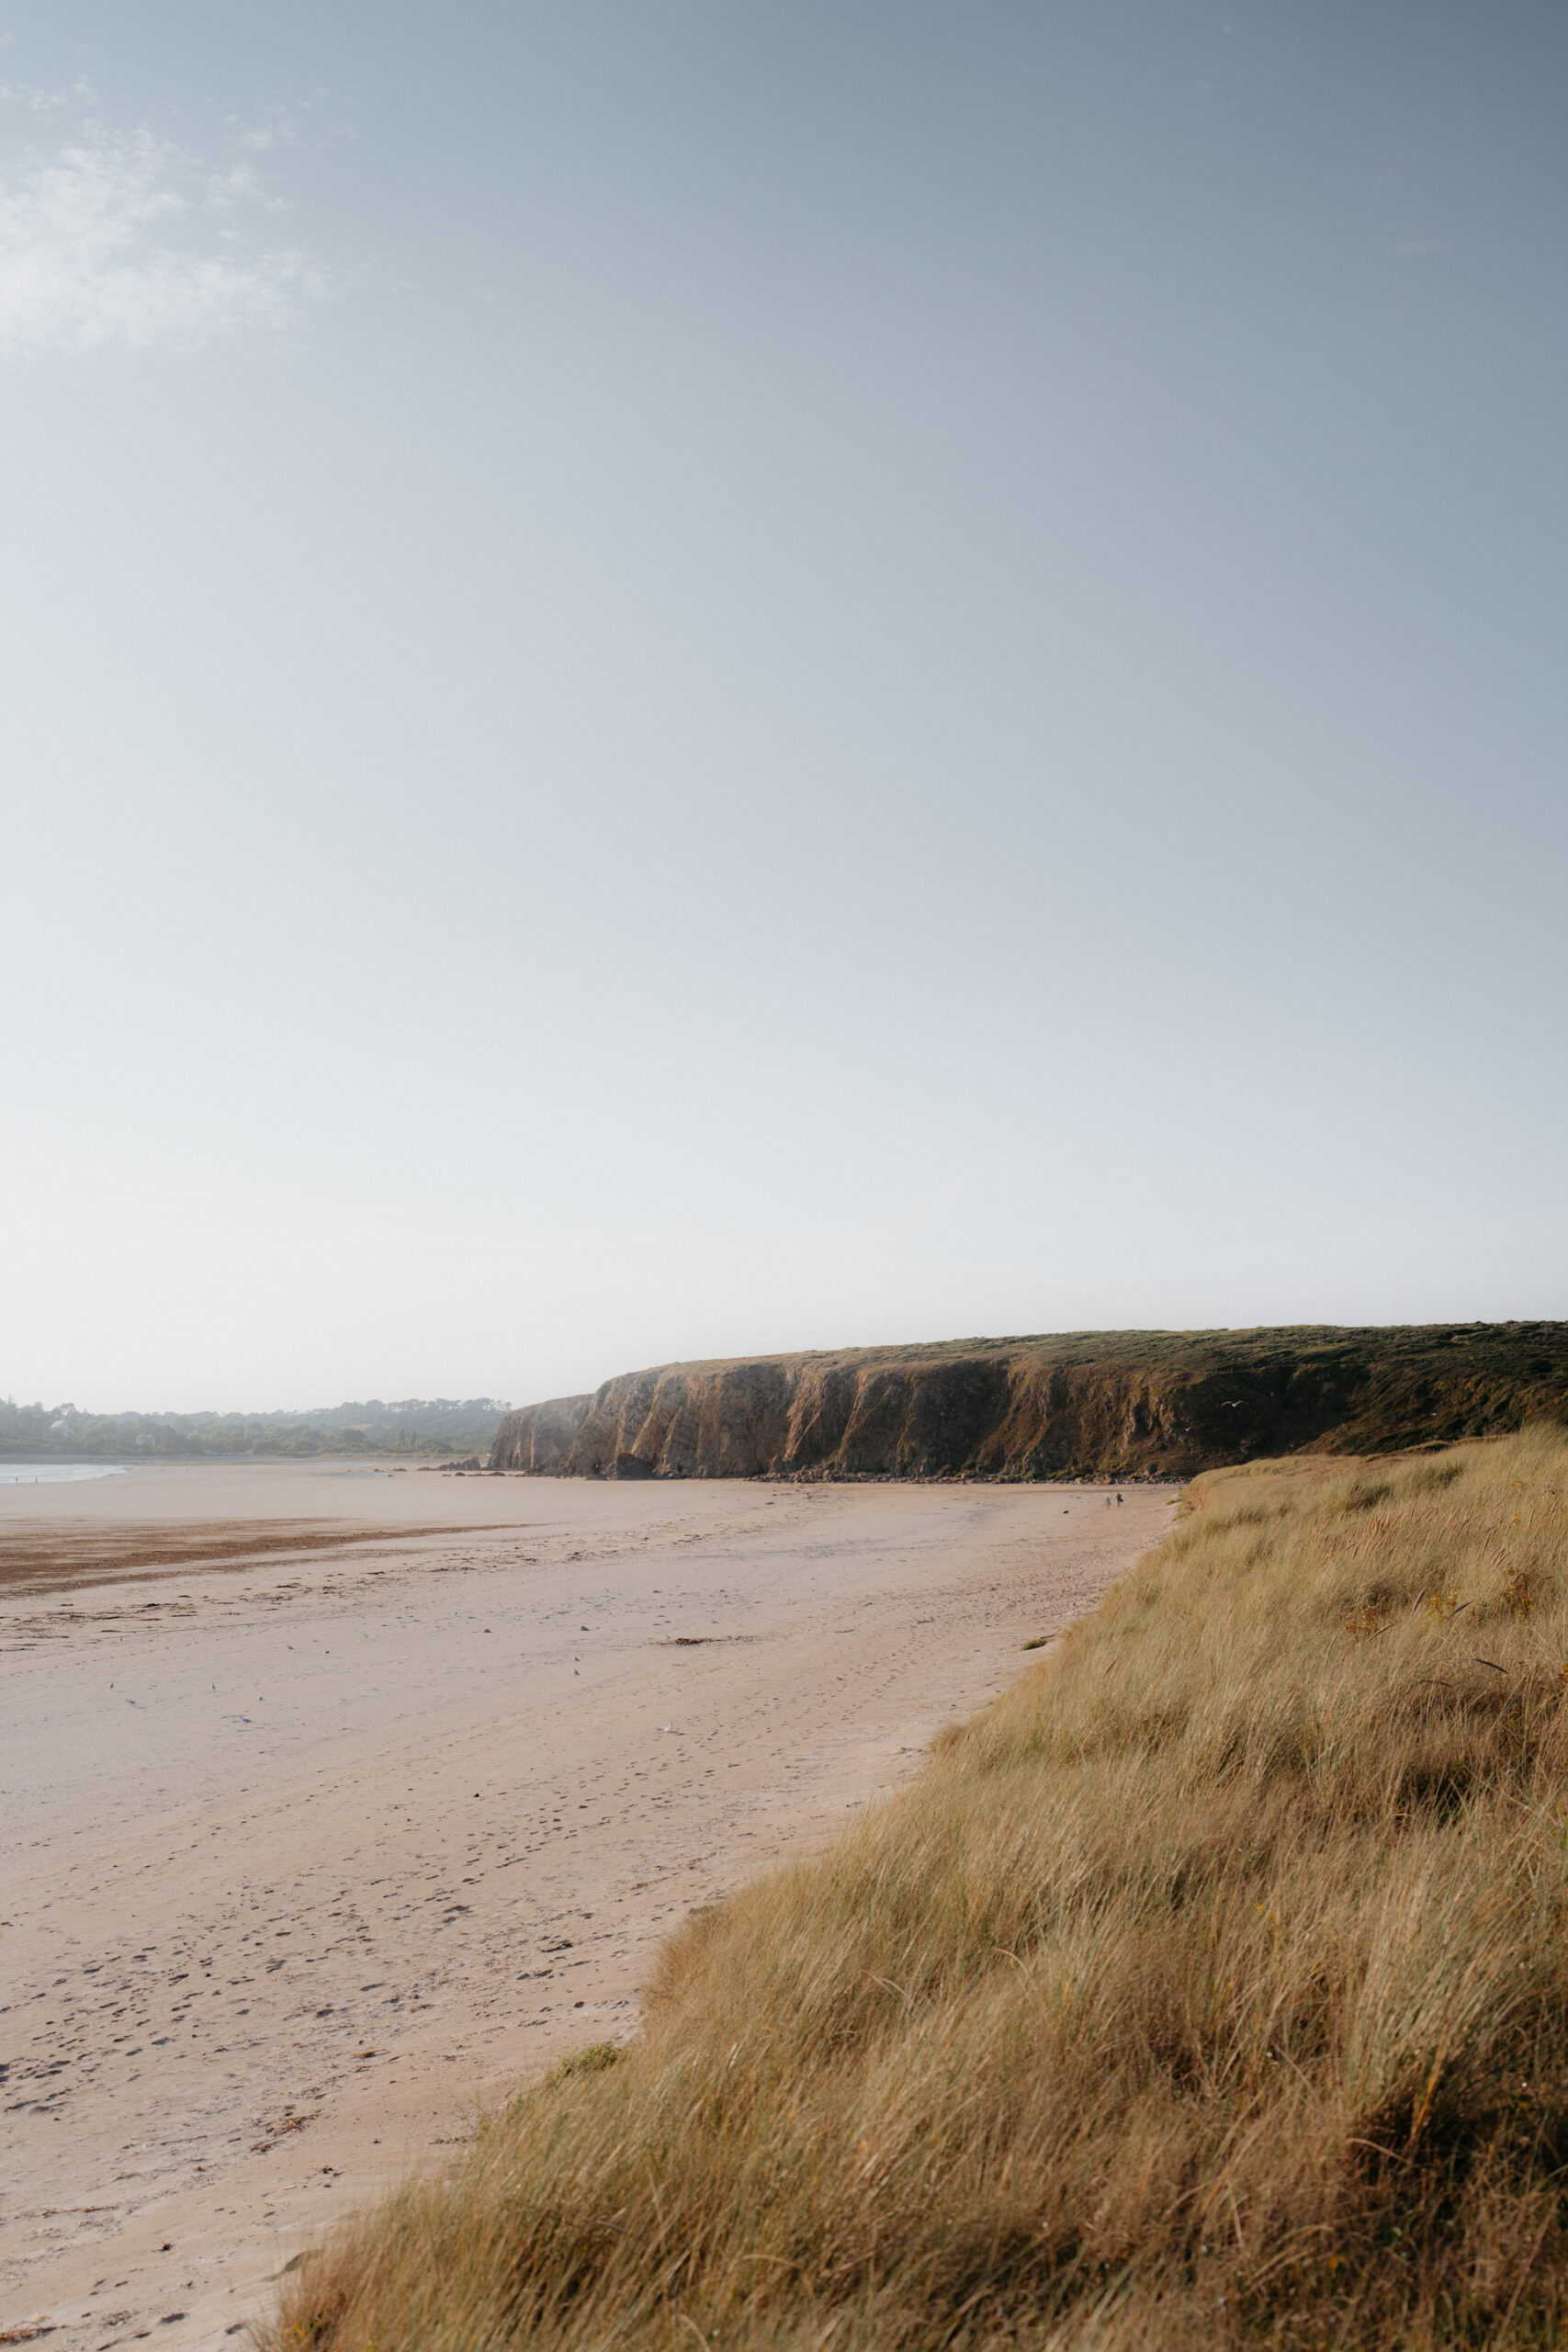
(682,679)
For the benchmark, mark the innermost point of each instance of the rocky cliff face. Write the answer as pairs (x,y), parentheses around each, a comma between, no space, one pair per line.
(539,1437)
(1083,1404)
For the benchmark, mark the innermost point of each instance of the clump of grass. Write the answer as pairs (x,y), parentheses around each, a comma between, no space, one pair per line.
(593,2060)
(1211,1988)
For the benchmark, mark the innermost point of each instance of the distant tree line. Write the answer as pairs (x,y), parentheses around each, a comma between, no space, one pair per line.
(414,1425)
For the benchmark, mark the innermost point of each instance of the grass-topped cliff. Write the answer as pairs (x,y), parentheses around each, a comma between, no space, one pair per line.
(1097,1404)
(1211,1988)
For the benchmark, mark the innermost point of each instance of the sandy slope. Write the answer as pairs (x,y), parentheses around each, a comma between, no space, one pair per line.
(304,1854)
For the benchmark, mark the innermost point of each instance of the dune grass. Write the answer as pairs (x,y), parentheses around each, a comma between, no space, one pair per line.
(1211,1988)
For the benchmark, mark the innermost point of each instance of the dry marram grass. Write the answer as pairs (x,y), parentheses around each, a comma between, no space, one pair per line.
(1211,1987)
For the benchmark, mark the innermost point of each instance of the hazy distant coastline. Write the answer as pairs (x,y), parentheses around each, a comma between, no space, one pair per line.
(414,1426)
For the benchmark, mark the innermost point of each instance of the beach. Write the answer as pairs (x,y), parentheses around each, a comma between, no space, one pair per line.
(340,1801)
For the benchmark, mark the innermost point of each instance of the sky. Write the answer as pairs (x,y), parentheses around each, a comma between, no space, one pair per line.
(681,679)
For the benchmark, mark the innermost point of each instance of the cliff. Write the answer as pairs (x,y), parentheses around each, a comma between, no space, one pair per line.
(1083,1404)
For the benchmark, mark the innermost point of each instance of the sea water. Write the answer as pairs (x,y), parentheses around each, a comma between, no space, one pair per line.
(55,1474)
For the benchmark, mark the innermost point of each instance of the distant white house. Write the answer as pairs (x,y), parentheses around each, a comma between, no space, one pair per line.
(60,1428)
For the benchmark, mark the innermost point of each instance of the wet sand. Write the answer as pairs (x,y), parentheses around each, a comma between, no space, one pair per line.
(339,1803)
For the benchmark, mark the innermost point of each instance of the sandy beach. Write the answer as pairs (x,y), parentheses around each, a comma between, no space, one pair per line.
(339,1802)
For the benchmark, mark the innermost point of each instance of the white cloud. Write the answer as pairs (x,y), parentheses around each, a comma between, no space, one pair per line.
(281,133)
(240,184)
(109,242)
(45,101)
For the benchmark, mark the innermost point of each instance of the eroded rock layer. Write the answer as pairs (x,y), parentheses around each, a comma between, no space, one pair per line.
(1131,1404)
